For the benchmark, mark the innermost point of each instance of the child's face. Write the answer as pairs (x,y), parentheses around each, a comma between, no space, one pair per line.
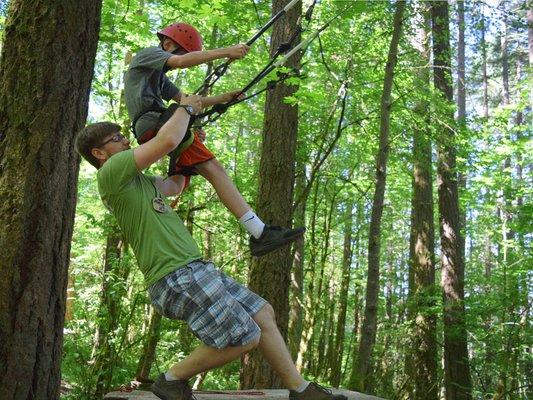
(174,48)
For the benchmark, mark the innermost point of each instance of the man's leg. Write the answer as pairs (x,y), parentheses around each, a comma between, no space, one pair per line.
(205,358)
(274,350)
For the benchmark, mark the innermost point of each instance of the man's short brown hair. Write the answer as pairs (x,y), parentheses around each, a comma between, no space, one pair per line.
(91,136)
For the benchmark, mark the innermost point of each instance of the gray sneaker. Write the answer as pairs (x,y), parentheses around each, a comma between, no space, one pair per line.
(272,238)
(172,390)
(315,392)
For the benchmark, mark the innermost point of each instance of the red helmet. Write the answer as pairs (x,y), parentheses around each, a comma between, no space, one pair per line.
(183,34)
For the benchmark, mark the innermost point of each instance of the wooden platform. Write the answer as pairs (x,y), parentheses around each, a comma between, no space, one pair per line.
(233,395)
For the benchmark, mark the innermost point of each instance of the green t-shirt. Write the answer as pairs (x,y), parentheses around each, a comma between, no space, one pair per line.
(160,241)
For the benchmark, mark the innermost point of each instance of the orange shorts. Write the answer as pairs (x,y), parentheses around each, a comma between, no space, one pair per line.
(193,155)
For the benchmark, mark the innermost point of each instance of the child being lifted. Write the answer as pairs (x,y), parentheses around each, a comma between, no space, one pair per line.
(146,86)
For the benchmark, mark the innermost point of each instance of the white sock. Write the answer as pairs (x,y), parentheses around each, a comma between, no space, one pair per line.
(302,387)
(169,376)
(252,223)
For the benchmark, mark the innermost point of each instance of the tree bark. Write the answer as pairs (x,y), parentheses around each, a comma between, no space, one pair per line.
(457,379)
(270,274)
(45,77)
(461,106)
(369,327)
(422,350)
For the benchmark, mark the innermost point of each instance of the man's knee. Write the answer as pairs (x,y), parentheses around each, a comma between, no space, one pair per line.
(266,317)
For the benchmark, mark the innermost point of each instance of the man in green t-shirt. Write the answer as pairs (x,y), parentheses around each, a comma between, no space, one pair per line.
(228,318)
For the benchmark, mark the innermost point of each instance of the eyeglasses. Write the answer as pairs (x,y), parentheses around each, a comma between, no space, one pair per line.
(118,137)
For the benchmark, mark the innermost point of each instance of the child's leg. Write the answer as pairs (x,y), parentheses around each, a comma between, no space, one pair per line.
(215,173)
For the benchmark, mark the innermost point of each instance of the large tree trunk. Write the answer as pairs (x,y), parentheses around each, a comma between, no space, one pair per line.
(422,350)
(461,105)
(369,328)
(456,369)
(270,274)
(45,77)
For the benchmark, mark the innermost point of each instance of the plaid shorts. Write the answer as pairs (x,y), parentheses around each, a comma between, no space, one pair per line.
(218,310)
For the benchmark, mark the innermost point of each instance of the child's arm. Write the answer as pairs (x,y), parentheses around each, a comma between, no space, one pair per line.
(221,98)
(171,186)
(212,100)
(194,58)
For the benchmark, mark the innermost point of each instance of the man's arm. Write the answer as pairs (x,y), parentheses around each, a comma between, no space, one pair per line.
(201,57)
(168,137)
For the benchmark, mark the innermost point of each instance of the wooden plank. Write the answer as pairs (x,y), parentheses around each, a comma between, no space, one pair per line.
(233,395)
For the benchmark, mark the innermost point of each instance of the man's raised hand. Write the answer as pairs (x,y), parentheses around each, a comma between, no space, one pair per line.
(193,100)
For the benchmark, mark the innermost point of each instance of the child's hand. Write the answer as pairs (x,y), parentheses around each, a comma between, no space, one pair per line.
(201,134)
(194,100)
(236,94)
(237,51)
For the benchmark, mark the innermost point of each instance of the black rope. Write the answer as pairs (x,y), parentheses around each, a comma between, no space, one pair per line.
(283,48)
(222,68)
(220,109)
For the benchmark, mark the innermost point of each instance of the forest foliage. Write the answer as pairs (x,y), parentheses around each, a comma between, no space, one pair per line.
(336,167)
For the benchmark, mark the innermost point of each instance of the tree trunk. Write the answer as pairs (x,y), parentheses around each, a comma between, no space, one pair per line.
(150,343)
(338,349)
(456,368)
(369,329)
(296,313)
(310,297)
(461,106)
(270,274)
(45,77)
(422,350)
(114,279)
(530,47)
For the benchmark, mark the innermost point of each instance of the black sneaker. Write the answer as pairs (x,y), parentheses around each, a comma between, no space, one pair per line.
(172,390)
(272,238)
(315,392)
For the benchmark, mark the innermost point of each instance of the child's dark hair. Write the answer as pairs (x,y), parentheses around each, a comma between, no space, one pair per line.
(91,136)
